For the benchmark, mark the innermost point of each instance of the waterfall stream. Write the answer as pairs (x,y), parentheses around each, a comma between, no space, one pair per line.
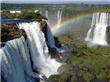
(24,60)
(57,18)
(97,33)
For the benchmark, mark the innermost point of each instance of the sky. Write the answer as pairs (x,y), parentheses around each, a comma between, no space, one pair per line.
(55,1)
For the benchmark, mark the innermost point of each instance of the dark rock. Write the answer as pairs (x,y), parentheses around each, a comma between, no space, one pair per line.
(108,34)
(54,53)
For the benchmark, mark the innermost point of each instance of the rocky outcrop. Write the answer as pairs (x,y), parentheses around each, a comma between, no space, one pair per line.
(9,32)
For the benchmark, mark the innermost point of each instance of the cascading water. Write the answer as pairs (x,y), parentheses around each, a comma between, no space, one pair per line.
(97,33)
(16,64)
(35,36)
(20,57)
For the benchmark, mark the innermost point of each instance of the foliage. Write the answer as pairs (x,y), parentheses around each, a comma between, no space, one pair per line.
(29,15)
(24,14)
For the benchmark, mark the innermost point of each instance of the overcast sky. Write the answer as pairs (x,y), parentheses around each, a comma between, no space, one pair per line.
(54,1)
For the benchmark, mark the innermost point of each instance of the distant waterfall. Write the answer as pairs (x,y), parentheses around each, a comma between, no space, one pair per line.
(18,54)
(51,40)
(56,18)
(59,18)
(97,33)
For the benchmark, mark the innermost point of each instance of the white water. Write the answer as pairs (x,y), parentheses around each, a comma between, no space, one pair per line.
(16,66)
(97,33)
(18,54)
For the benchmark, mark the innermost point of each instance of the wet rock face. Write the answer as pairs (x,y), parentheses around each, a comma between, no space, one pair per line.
(108,34)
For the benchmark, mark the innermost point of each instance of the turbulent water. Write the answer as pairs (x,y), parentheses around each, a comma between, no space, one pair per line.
(25,60)
(97,33)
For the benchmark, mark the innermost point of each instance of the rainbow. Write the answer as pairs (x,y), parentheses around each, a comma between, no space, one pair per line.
(66,21)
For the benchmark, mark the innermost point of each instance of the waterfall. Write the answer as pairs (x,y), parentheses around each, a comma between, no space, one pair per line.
(59,18)
(23,60)
(97,33)
(56,18)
